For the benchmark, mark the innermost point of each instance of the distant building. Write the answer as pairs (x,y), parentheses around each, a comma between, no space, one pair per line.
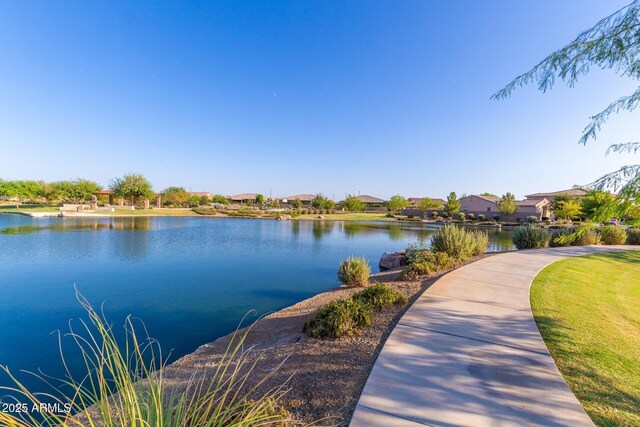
(575,192)
(243,198)
(370,200)
(304,198)
(488,206)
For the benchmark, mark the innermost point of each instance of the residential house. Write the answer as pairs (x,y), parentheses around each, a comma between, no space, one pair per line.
(243,198)
(374,204)
(488,206)
(304,198)
(201,194)
(575,192)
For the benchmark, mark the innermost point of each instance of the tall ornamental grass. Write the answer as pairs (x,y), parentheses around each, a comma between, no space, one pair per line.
(459,243)
(125,386)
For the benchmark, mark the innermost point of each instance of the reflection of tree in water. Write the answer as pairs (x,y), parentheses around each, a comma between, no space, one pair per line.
(295,227)
(131,224)
(320,228)
(84,224)
(128,245)
(353,229)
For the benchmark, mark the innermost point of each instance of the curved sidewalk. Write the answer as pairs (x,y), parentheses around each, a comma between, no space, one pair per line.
(468,353)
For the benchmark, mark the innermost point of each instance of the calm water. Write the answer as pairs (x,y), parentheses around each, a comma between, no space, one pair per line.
(190,279)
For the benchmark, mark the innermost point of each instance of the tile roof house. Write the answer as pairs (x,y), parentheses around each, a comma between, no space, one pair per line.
(243,197)
(415,201)
(576,192)
(370,200)
(488,206)
(304,198)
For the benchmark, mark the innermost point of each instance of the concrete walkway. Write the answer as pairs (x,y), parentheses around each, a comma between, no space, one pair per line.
(468,353)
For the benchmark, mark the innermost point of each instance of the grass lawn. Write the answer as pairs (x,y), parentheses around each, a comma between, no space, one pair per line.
(117,212)
(588,311)
(373,216)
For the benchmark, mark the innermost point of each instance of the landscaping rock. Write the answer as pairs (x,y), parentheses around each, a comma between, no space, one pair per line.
(390,260)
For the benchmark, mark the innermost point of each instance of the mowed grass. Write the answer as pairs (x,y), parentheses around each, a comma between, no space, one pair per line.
(588,311)
(356,216)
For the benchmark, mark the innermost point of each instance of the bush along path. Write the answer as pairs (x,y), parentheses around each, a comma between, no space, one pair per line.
(468,353)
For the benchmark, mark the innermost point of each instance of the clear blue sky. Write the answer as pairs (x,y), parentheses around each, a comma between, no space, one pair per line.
(301,96)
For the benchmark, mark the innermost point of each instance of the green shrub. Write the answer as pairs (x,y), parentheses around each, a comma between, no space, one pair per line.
(379,296)
(613,235)
(480,241)
(529,237)
(458,242)
(205,211)
(586,237)
(423,262)
(532,219)
(496,217)
(346,317)
(481,217)
(354,272)
(434,214)
(561,237)
(462,216)
(471,217)
(445,214)
(633,236)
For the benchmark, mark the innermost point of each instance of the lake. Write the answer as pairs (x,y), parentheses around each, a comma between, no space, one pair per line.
(191,280)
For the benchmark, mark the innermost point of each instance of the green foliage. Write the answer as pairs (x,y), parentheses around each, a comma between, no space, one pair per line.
(352,204)
(481,217)
(205,211)
(379,296)
(22,190)
(566,207)
(488,194)
(124,384)
(471,217)
(259,199)
(426,204)
(507,204)
(175,196)
(612,235)
(76,191)
(132,186)
(459,243)
(296,203)
(528,237)
(434,214)
(346,317)
(599,206)
(321,202)
(397,203)
(354,272)
(633,236)
(612,43)
(445,215)
(452,206)
(220,199)
(572,236)
(423,262)
(532,219)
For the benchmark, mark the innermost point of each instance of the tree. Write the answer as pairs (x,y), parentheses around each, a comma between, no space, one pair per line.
(219,198)
(259,199)
(507,205)
(427,204)
(22,190)
(321,202)
(77,191)
(397,203)
(352,204)
(175,196)
(296,203)
(566,207)
(612,44)
(599,206)
(452,206)
(486,194)
(132,187)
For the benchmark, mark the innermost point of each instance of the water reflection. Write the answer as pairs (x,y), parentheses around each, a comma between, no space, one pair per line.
(83,224)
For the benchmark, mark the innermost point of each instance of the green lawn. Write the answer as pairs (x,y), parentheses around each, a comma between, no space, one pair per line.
(588,311)
(374,216)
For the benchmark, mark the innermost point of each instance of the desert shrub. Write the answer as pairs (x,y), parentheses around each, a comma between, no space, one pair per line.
(481,217)
(480,241)
(379,296)
(532,219)
(633,236)
(528,237)
(455,242)
(561,237)
(354,272)
(445,214)
(471,217)
(423,262)
(613,235)
(346,317)
(496,217)
(462,216)
(205,211)
(434,214)
(586,237)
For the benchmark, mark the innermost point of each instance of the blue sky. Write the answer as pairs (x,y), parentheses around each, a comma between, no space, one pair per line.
(302,96)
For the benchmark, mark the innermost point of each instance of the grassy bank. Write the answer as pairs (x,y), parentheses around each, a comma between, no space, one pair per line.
(361,216)
(116,212)
(588,311)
